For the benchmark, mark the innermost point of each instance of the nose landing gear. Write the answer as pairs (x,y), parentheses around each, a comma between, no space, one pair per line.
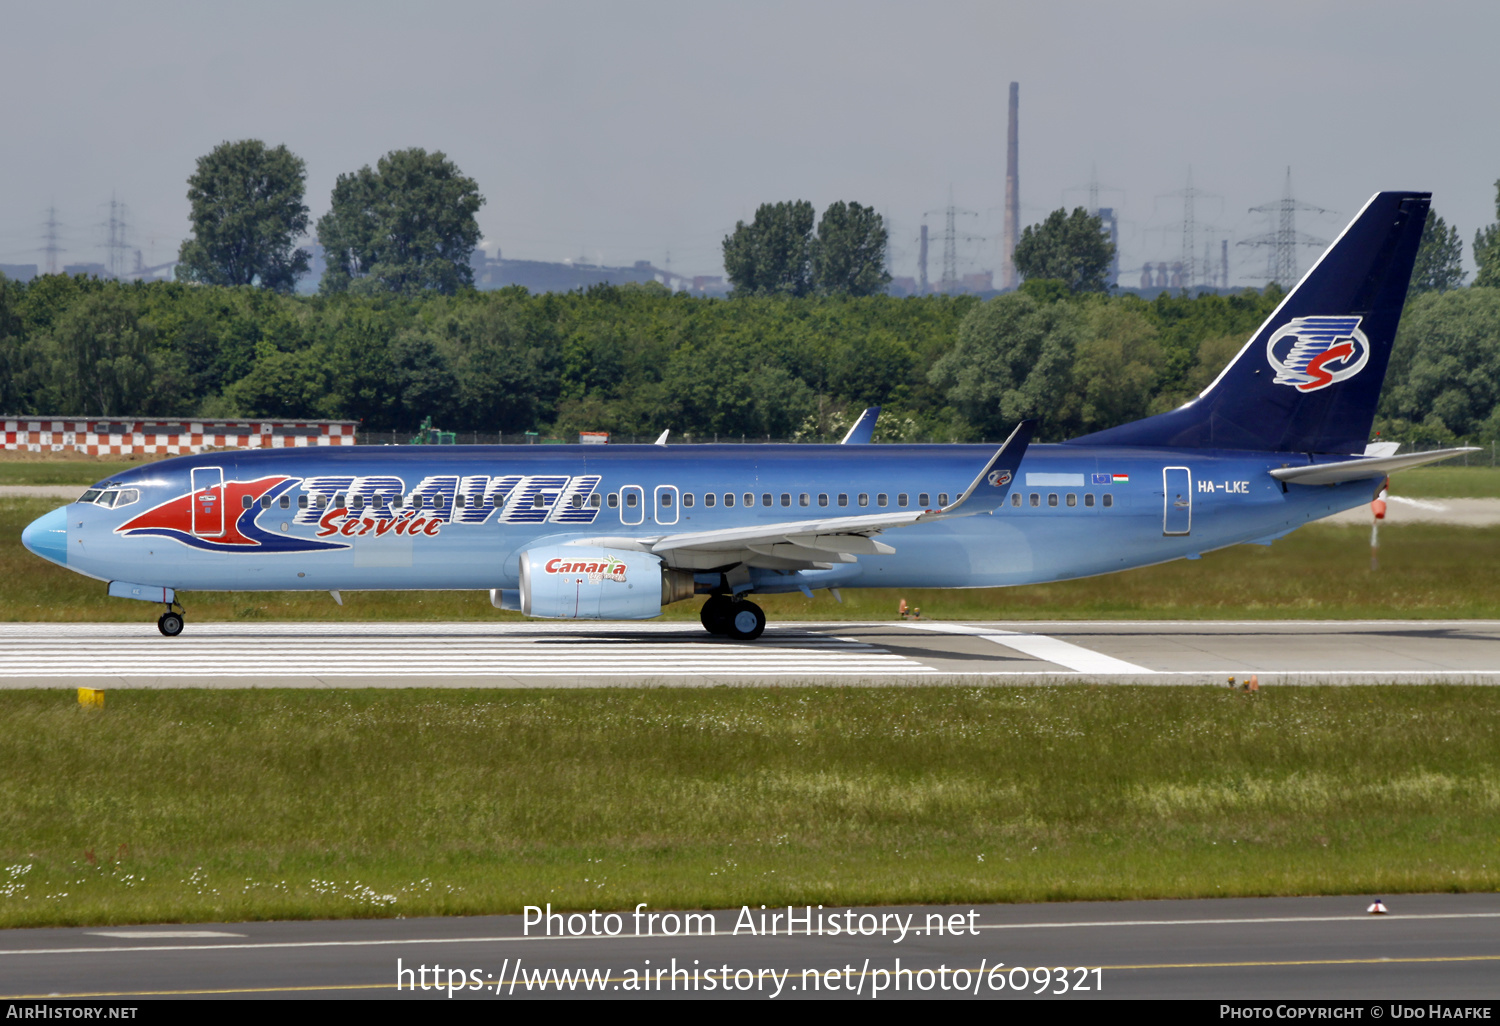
(736,618)
(170,622)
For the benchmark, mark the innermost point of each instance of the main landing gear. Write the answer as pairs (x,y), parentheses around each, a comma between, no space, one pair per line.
(736,618)
(170,622)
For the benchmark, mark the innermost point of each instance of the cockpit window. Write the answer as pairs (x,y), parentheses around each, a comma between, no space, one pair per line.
(126,496)
(90,495)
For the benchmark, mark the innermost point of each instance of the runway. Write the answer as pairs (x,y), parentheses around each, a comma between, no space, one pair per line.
(682,654)
(1440,946)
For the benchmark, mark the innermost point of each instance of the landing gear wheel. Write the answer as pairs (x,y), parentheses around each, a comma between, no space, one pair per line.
(170,624)
(746,621)
(715,614)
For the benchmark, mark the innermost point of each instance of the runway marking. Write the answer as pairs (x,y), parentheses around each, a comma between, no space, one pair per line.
(387,942)
(1039,646)
(495,985)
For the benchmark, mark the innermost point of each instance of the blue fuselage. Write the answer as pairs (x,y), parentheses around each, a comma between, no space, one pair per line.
(459,517)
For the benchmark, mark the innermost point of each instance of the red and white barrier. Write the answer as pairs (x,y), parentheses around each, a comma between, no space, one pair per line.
(125,436)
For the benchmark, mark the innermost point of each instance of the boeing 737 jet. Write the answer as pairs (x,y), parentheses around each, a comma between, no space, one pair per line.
(618,532)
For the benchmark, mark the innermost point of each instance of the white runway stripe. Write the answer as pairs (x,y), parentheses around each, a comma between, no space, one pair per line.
(1039,646)
(447,650)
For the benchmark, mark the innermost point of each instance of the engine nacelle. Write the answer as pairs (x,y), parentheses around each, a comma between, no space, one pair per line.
(582,582)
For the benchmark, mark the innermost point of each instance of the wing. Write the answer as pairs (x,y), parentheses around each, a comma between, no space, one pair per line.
(864,428)
(817,544)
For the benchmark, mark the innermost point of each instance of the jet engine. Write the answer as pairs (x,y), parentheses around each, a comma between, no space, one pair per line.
(580,582)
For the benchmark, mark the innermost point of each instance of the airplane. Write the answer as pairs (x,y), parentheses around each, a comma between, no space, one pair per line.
(619,532)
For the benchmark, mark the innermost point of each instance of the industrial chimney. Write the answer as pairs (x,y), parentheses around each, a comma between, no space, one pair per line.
(1008,277)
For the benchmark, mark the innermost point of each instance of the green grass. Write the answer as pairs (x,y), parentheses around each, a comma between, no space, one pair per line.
(26,468)
(1449,481)
(1320,572)
(183,805)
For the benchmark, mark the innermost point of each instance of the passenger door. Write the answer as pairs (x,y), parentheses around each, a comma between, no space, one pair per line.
(208,501)
(1177,515)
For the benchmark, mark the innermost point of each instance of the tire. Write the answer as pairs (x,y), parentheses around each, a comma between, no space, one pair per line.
(170,624)
(715,614)
(746,621)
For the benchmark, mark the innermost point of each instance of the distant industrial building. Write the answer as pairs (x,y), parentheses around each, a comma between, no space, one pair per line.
(544,276)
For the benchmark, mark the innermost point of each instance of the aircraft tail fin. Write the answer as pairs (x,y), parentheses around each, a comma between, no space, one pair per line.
(863,430)
(1309,379)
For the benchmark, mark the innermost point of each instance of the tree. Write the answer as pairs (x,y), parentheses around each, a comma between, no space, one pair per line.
(772,256)
(848,255)
(1070,247)
(1487,249)
(407,226)
(101,358)
(1440,258)
(1013,360)
(247,215)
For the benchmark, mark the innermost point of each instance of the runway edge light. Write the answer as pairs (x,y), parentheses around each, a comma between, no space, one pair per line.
(1378,908)
(91,698)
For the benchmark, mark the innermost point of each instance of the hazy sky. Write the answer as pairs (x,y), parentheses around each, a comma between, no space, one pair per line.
(625,131)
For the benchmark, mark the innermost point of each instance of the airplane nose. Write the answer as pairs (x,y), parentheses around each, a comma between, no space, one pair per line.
(47,536)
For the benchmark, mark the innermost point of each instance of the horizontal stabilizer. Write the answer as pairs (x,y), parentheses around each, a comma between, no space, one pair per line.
(1360,469)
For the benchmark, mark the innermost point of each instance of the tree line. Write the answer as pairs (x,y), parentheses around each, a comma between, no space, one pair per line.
(397,333)
(638,359)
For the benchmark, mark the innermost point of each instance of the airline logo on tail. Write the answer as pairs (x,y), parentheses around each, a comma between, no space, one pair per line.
(1311,353)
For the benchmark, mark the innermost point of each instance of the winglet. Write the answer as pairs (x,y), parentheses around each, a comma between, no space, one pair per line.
(864,428)
(989,489)
(661,439)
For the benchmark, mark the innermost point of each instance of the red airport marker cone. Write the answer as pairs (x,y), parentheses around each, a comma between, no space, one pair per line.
(1378,909)
(1254,683)
(1377,507)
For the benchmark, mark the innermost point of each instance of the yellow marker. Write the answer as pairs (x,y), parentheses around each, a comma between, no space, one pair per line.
(91,698)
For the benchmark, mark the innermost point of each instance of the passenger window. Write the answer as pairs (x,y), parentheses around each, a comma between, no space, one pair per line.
(942,498)
(338,500)
(1088,498)
(460,500)
(265,502)
(576,502)
(786,498)
(1015,498)
(537,501)
(629,499)
(804,499)
(1036,500)
(1052,498)
(245,501)
(765,498)
(728,498)
(1109,500)
(301,502)
(286,501)
(880,499)
(924,500)
(397,501)
(1072,499)
(594,501)
(322,502)
(439,501)
(901,499)
(614,500)
(666,499)
(864,498)
(843,498)
(709,498)
(687,499)
(822,498)
(749,499)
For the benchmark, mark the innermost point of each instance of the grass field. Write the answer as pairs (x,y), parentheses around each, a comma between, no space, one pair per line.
(214,805)
(1448,480)
(1320,572)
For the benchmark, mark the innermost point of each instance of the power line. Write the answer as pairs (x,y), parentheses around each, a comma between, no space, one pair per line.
(1283,239)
